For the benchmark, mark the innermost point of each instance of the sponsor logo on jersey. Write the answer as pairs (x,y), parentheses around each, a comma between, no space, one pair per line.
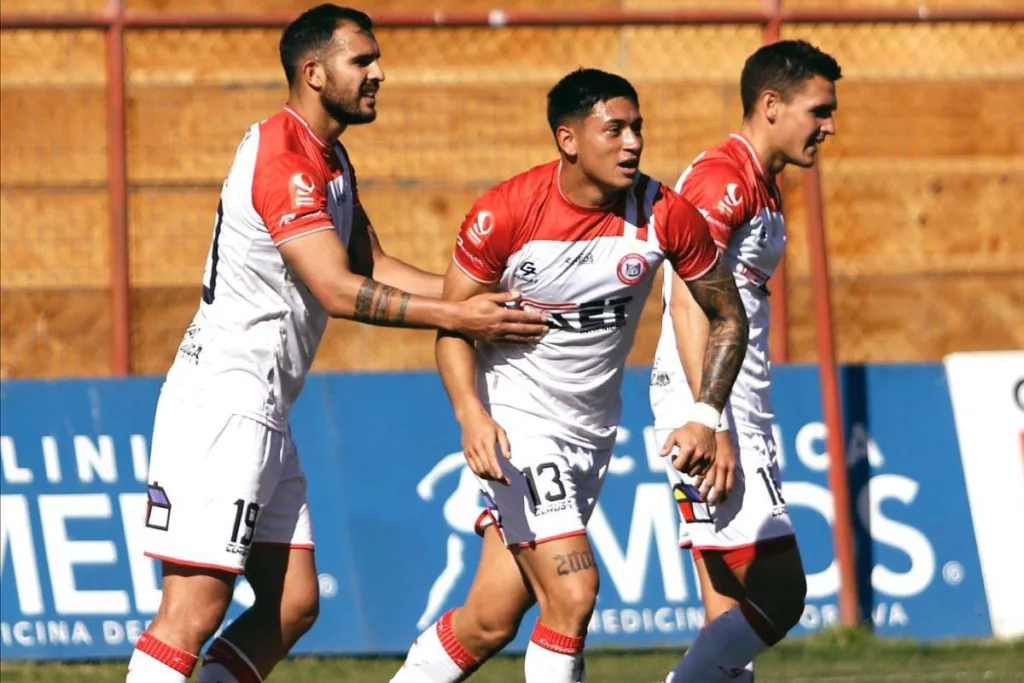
(580,260)
(480,229)
(301,188)
(731,200)
(633,268)
(527,271)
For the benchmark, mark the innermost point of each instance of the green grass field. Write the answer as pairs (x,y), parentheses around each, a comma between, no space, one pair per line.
(835,657)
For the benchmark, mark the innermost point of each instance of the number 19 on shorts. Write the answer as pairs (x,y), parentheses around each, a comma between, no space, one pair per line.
(242,530)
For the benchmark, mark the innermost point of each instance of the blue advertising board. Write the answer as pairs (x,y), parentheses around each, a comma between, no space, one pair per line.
(393,507)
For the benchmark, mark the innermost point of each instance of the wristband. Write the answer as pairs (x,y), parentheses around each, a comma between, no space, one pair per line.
(725,423)
(706,415)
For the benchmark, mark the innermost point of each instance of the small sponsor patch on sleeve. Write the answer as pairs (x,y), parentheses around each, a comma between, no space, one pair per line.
(158,508)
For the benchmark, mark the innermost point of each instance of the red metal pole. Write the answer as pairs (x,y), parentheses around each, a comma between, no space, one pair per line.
(842,529)
(117,194)
(778,336)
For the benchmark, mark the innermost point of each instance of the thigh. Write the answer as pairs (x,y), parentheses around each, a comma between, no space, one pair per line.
(284,520)
(280,575)
(560,570)
(210,474)
(541,502)
(500,594)
(691,507)
(754,521)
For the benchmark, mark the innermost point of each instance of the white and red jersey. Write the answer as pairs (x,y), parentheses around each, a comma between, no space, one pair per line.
(258,327)
(743,208)
(591,270)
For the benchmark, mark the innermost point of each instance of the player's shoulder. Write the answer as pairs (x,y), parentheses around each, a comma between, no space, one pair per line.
(282,144)
(669,202)
(718,166)
(523,189)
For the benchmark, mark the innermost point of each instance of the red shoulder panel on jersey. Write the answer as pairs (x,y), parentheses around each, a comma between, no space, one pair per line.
(485,239)
(722,193)
(684,236)
(290,194)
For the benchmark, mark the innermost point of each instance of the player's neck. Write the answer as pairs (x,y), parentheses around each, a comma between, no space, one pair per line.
(316,117)
(580,191)
(772,161)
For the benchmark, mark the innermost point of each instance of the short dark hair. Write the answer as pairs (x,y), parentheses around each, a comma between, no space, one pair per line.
(577,93)
(313,30)
(783,67)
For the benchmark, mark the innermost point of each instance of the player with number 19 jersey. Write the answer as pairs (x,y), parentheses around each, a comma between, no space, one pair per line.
(224,472)
(591,270)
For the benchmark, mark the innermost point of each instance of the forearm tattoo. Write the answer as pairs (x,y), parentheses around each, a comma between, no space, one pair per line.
(373,304)
(727,338)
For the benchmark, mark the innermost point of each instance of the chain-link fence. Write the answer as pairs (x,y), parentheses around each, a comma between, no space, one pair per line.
(922,186)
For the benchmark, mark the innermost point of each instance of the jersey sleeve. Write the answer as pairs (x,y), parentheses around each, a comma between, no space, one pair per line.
(290,195)
(720,193)
(485,239)
(686,239)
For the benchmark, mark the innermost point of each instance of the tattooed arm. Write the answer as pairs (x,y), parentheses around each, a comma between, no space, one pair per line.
(728,332)
(319,259)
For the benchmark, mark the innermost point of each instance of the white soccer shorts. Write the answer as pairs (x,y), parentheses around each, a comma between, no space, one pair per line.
(754,520)
(554,485)
(220,483)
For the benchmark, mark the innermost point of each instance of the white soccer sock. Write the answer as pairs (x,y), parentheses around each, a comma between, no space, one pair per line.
(225,663)
(156,662)
(553,657)
(436,656)
(725,647)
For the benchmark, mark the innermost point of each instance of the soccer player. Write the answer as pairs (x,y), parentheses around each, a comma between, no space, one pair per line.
(581,238)
(752,580)
(292,247)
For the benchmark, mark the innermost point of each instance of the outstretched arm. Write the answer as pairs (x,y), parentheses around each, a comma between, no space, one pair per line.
(321,262)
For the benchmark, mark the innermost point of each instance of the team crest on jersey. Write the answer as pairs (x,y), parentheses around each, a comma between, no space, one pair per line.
(633,268)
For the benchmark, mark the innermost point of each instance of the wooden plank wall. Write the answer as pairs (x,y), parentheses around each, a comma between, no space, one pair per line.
(923,184)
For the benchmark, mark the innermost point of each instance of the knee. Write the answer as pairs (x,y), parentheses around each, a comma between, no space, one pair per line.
(793,596)
(571,606)
(300,608)
(191,619)
(785,605)
(494,630)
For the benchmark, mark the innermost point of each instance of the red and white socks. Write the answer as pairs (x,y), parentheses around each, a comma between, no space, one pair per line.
(436,656)
(154,661)
(553,657)
(225,663)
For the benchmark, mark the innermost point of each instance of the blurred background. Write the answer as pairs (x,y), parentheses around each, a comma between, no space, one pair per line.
(108,194)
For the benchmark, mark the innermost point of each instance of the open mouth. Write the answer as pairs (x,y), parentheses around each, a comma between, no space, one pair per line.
(629,164)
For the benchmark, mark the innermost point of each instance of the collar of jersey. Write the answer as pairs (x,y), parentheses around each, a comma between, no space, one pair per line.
(753,154)
(305,124)
(610,206)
